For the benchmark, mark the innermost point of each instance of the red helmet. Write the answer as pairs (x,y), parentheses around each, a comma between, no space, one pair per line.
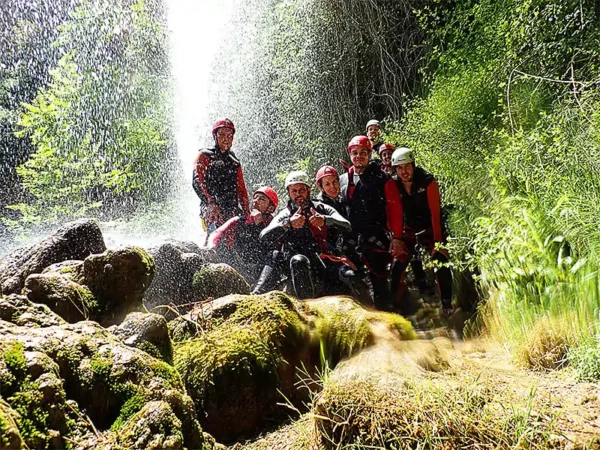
(222,123)
(326,171)
(385,147)
(269,192)
(361,141)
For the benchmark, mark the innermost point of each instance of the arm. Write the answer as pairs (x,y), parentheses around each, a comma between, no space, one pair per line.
(393,209)
(225,234)
(334,219)
(433,200)
(242,192)
(201,163)
(277,228)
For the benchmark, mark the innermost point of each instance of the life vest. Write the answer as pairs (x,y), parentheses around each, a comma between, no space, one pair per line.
(365,201)
(417,215)
(221,179)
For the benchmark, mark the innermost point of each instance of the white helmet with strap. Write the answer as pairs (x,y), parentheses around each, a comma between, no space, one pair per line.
(295,177)
(372,122)
(402,155)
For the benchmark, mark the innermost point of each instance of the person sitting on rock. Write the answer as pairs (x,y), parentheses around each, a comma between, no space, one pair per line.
(328,182)
(218,179)
(375,211)
(302,231)
(420,196)
(237,241)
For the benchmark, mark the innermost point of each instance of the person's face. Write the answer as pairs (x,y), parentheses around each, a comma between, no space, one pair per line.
(386,157)
(360,156)
(299,193)
(331,185)
(262,203)
(224,138)
(373,132)
(405,172)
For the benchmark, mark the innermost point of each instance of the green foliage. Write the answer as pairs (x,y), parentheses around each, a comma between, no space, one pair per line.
(510,128)
(100,128)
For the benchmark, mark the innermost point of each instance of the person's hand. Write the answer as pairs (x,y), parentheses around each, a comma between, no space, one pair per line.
(213,213)
(257,216)
(298,219)
(398,249)
(316,219)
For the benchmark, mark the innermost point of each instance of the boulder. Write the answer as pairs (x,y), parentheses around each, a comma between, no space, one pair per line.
(191,324)
(68,380)
(18,310)
(148,332)
(74,240)
(237,369)
(176,263)
(118,280)
(70,300)
(218,280)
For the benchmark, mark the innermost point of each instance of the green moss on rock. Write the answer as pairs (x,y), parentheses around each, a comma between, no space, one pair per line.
(70,300)
(10,438)
(218,280)
(235,371)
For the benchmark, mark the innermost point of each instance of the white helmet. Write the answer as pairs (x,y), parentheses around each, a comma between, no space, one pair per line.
(372,122)
(402,156)
(295,177)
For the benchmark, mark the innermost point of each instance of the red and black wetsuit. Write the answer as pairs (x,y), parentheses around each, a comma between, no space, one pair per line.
(334,236)
(422,215)
(302,248)
(218,179)
(238,243)
(374,209)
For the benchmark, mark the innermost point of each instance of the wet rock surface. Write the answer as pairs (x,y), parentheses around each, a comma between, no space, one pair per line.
(73,241)
(148,332)
(176,263)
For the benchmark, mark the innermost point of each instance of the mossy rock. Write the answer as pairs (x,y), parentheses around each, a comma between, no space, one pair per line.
(148,332)
(343,327)
(154,427)
(18,310)
(118,280)
(70,300)
(234,371)
(51,375)
(10,438)
(218,280)
(72,241)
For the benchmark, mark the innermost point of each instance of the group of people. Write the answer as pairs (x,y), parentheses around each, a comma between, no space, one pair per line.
(369,220)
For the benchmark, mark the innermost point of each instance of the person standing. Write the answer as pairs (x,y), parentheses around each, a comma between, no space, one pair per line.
(218,179)
(420,196)
(385,153)
(374,209)
(372,131)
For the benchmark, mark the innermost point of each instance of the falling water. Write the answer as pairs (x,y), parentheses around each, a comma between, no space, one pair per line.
(197,33)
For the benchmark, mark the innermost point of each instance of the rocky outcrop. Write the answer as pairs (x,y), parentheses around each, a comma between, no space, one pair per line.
(148,332)
(74,240)
(218,280)
(176,263)
(10,438)
(236,371)
(17,309)
(103,287)
(67,380)
(70,300)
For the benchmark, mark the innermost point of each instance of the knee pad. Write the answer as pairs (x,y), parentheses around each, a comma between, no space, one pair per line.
(298,261)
